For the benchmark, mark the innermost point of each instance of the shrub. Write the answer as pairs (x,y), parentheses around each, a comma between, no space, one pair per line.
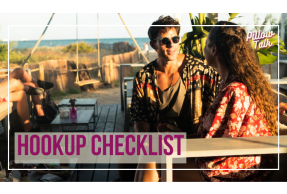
(14,56)
(83,48)
(74,91)
(3,52)
(57,95)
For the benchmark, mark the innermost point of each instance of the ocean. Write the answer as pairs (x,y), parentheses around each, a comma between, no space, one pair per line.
(52,43)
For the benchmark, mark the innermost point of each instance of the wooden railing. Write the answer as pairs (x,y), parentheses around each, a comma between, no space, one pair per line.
(202,147)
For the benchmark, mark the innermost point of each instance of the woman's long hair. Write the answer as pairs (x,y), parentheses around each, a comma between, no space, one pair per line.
(239,56)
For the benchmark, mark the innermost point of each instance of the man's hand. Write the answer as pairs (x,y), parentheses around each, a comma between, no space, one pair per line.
(166,127)
(35,82)
(282,111)
(282,108)
(141,126)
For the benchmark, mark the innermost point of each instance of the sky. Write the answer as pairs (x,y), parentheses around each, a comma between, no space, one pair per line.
(59,27)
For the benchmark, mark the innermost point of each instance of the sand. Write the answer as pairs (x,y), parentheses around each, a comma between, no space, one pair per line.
(103,95)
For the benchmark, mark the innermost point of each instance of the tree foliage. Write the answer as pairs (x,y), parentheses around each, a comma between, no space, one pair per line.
(4,51)
(275,29)
(194,42)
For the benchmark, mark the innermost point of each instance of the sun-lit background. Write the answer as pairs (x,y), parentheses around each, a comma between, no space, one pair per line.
(23,30)
(33,33)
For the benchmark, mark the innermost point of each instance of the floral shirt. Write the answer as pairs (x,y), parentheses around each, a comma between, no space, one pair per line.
(233,114)
(201,82)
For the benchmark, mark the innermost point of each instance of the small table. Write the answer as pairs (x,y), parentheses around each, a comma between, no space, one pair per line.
(83,119)
(82,102)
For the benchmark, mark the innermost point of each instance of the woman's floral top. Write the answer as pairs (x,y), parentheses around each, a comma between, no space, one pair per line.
(233,114)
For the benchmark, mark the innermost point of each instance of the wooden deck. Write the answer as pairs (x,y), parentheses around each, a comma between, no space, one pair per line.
(110,119)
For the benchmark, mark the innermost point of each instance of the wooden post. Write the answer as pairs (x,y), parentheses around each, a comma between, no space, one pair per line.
(112,73)
(134,40)
(99,58)
(147,55)
(103,72)
(41,71)
(270,70)
(29,99)
(121,86)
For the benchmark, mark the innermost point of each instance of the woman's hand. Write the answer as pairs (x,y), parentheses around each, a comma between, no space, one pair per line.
(282,108)
(167,127)
(35,82)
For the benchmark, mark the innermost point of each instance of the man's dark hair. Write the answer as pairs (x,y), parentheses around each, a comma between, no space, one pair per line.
(167,20)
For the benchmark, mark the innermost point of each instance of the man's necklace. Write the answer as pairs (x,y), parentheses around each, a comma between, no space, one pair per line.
(170,86)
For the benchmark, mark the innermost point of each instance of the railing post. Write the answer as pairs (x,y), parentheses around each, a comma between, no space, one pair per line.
(147,55)
(121,86)
(103,72)
(112,73)
(270,70)
(41,71)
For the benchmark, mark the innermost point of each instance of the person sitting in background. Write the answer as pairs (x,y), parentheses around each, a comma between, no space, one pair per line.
(35,87)
(17,93)
(20,84)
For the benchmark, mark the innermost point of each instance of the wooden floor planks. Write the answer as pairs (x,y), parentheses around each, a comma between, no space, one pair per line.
(110,119)
(102,175)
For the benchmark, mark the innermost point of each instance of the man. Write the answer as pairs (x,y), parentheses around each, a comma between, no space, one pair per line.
(173,90)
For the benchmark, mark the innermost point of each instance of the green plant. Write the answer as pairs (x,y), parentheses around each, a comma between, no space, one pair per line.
(83,48)
(4,50)
(117,83)
(194,42)
(58,95)
(275,28)
(264,54)
(74,91)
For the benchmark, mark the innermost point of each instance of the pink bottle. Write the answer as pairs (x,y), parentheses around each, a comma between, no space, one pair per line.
(73,110)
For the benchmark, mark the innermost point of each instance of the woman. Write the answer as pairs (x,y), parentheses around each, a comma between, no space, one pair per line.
(20,84)
(243,106)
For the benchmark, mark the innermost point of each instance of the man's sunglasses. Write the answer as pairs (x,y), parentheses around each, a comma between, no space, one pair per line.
(166,40)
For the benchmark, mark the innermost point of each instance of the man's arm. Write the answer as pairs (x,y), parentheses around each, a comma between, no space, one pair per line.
(283,119)
(142,126)
(138,110)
